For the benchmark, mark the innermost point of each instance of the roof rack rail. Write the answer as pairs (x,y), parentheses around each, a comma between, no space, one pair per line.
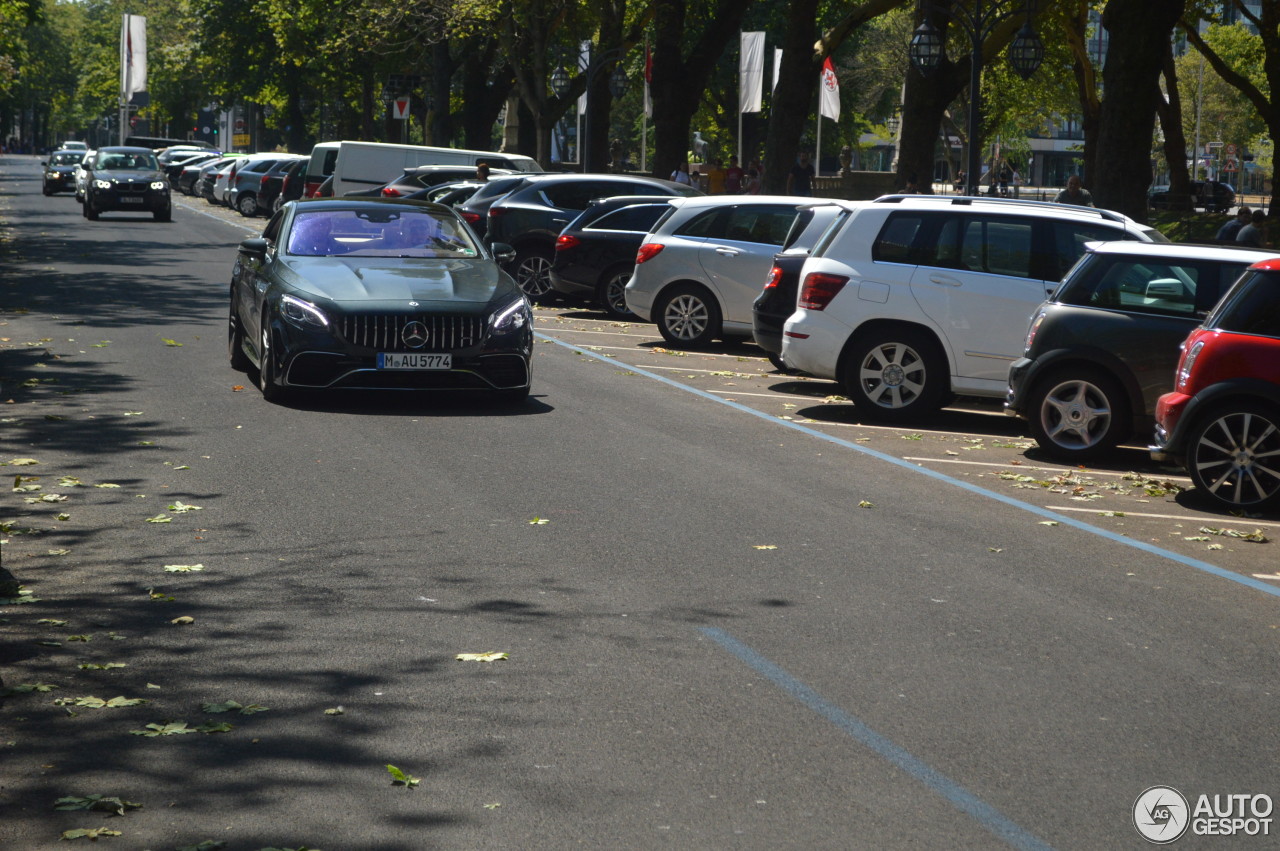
(968,200)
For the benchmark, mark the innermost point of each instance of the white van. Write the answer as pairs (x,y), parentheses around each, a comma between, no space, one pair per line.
(364,165)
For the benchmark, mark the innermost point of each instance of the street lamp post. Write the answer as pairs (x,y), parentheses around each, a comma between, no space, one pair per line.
(979,21)
(617,88)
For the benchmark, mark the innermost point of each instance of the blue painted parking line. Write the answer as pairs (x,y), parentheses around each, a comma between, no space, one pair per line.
(1063,519)
(965,801)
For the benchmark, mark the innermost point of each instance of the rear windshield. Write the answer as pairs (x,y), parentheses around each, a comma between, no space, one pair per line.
(1252,306)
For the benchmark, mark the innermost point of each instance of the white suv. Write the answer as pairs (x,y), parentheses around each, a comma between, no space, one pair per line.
(912,298)
(705,261)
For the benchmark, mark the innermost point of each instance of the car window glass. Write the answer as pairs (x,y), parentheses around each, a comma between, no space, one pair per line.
(572,194)
(1252,307)
(380,233)
(494,188)
(763,224)
(637,219)
(1146,285)
(271,232)
(996,246)
(896,238)
(709,224)
(1069,239)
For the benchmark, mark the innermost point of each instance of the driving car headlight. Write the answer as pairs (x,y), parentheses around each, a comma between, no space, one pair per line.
(159,184)
(102,184)
(301,313)
(511,318)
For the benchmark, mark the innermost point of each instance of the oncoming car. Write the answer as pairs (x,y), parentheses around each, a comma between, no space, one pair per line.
(375,294)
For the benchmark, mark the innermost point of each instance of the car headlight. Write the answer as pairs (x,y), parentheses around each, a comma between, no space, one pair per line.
(301,313)
(511,318)
(102,184)
(159,184)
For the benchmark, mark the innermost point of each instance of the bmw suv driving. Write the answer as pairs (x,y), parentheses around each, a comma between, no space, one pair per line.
(127,180)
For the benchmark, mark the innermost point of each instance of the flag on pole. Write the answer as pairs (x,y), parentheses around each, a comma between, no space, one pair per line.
(777,66)
(648,79)
(829,93)
(751,73)
(133,55)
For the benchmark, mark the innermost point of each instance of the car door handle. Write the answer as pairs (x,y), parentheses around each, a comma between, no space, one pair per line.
(724,251)
(559,221)
(946,280)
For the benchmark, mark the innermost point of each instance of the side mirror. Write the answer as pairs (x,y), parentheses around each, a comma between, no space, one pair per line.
(502,252)
(255,247)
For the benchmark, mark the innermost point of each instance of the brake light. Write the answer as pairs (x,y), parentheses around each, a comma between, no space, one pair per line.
(565,240)
(819,288)
(648,251)
(470,217)
(775,276)
(390,192)
(263,181)
(495,211)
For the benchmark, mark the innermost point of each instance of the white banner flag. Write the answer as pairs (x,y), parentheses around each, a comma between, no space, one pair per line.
(133,55)
(829,92)
(751,73)
(777,66)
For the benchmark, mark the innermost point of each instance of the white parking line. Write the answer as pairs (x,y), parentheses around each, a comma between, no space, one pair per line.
(1065,470)
(1197,518)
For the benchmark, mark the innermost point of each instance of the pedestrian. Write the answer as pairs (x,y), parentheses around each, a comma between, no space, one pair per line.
(800,178)
(733,177)
(1006,176)
(1254,233)
(716,177)
(752,186)
(1074,193)
(911,188)
(1229,231)
(681,175)
(482,172)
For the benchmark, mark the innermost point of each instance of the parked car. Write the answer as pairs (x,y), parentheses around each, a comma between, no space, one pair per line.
(421,177)
(189,177)
(701,267)
(365,165)
(449,194)
(207,175)
(1103,348)
(81,179)
(60,171)
(777,299)
(1211,195)
(475,210)
(129,180)
(1222,418)
(531,217)
(596,252)
(213,185)
(347,293)
(916,297)
(291,176)
(174,168)
(246,180)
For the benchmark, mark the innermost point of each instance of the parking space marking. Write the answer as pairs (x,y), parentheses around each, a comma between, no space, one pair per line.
(986,815)
(1064,470)
(1191,517)
(1062,518)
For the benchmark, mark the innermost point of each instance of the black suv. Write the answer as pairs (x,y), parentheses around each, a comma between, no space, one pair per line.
(128,180)
(60,171)
(1103,348)
(596,252)
(531,217)
(1213,196)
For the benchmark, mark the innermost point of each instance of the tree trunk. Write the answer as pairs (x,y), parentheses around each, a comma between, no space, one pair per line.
(1139,32)
(792,100)
(1175,141)
(924,104)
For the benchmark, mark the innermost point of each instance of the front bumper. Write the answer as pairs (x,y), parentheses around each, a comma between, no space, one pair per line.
(110,200)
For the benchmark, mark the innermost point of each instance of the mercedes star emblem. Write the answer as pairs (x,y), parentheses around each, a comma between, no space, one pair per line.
(414,335)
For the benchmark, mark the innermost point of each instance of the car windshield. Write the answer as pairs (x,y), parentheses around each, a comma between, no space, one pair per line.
(113,161)
(67,159)
(391,232)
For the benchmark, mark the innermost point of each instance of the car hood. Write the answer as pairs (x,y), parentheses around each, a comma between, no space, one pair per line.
(438,283)
(129,176)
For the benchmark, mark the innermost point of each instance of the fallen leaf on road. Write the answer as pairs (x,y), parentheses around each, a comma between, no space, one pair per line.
(491,656)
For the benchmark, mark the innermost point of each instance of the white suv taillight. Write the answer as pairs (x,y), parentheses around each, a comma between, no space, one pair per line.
(819,288)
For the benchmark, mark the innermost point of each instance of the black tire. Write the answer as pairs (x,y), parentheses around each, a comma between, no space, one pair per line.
(247,204)
(46,190)
(897,374)
(90,212)
(235,339)
(778,364)
(512,398)
(687,315)
(1233,456)
(1078,414)
(267,369)
(532,271)
(610,294)
(165,215)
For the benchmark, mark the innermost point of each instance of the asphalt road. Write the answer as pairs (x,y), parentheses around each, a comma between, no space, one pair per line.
(737,615)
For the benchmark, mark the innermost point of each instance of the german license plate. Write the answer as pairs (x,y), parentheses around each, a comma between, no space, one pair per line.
(415,360)
(129,199)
